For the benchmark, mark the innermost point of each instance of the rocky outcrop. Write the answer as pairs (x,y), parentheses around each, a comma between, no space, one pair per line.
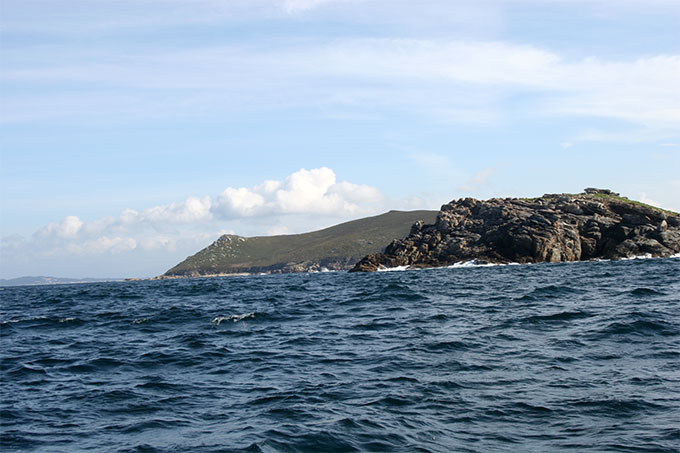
(552,228)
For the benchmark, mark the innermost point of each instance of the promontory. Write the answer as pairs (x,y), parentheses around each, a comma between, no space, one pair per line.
(336,248)
(596,224)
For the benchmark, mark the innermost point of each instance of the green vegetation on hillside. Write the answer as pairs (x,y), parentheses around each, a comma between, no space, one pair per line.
(603,194)
(337,247)
(627,200)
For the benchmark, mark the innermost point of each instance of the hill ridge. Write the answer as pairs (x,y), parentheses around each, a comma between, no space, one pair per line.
(337,247)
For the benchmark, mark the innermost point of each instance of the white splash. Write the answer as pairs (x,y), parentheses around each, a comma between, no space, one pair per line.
(646,256)
(235,318)
(475,263)
(15,320)
(393,269)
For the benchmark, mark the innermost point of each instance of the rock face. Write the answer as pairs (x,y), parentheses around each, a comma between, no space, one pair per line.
(552,228)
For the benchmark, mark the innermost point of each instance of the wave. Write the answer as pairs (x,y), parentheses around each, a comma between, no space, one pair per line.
(476,263)
(642,291)
(20,320)
(559,317)
(235,318)
(43,321)
(550,292)
(394,269)
(415,361)
(637,328)
(646,256)
(470,263)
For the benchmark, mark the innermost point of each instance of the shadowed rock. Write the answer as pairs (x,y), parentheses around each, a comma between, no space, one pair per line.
(552,228)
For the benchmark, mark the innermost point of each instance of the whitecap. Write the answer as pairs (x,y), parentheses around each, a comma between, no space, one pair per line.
(235,318)
(140,320)
(16,320)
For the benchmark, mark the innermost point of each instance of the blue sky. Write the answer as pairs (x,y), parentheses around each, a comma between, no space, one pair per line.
(135,133)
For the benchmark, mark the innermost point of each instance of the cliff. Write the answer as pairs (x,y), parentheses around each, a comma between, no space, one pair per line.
(552,228)
(334,248)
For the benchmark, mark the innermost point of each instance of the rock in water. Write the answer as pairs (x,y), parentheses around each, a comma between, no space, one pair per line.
(552,228)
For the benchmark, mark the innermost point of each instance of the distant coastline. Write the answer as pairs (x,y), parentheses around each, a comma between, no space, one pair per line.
(45,280)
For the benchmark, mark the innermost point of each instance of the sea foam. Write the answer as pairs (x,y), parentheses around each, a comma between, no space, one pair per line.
(235,318)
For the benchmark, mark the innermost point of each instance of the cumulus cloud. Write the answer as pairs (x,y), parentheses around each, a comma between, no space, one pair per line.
(313,191)
(191,210)
(197,220)
(67,228)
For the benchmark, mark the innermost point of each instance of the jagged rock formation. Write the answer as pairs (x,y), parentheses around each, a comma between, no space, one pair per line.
(553,228)
(334,248)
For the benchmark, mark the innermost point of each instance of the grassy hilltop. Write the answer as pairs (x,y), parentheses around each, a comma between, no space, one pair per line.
(334,248)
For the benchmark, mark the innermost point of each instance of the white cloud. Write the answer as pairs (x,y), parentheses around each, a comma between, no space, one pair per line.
(157,242)
(313,191)
(241,202)
(104,244)
(455,80)
(67,228)
(193,209)
(196,221)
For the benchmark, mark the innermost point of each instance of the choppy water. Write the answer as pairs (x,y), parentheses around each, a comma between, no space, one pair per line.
(577,357)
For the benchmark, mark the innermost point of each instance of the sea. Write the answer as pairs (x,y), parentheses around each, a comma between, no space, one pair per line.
(579,357)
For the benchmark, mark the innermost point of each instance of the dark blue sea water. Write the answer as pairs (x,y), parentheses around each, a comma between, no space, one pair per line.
(581,357)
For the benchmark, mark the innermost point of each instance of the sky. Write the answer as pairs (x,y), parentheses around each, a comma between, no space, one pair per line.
(133,134)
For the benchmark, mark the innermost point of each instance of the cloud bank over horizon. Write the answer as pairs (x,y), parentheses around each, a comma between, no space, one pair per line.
(272,208)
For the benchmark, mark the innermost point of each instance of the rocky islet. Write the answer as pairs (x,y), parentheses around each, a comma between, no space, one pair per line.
(597,224)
